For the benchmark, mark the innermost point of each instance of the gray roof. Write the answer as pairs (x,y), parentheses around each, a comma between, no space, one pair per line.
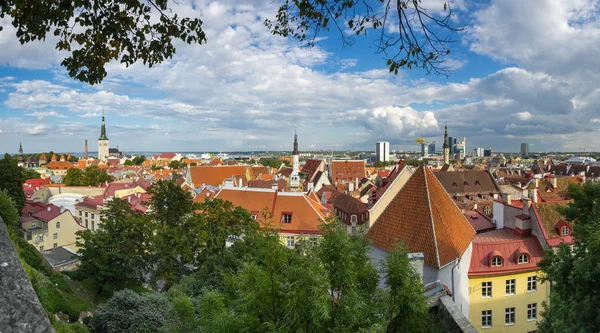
(59,256)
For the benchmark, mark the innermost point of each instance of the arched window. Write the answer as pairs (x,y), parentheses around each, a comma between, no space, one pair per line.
(487,210)
(496,262)
(523,258)
(57,225)
(353,219)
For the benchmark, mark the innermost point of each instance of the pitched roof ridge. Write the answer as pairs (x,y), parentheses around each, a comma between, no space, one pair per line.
(437,252)
(313,207)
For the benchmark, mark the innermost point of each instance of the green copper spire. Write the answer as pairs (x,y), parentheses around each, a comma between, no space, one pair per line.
(103,130)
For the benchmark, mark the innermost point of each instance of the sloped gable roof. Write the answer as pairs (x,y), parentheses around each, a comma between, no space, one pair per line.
(426,219)
(214,175)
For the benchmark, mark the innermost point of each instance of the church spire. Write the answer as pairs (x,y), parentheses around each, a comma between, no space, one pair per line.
(103,130)
(446,137)
(20,149)
(295,143)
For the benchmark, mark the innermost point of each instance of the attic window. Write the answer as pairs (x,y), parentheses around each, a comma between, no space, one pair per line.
(454,184)
(286,217)
(496,261)
(564,230)
(254,214)
(466,183)
(487,210)
(477,182)
(523,258)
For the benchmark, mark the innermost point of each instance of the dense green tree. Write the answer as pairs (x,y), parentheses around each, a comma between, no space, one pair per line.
(273,163)
(178,231)
(94,176)
(30,174)
(575,273)
(73,177)
(116,255)
(129,312)
(138,160)
(128,163)
(177,164)
(11,180)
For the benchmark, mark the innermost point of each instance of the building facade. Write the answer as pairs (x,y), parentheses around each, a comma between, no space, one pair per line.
(524,149)
(49,226)
(382,151)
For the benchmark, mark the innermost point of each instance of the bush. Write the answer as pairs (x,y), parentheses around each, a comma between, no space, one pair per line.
(62,327)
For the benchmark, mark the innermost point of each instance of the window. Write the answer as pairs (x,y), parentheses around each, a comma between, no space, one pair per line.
(534,331)
(523,258)
(354,230)
(532,311)
(92,215)
(254,214)
(86,214)
(86,224)
(55,245)
(312,240)
(58,225)
(286,218)
(92,225)
(487,210)
(564,230)
(56,235)
(290,241)
(509,316)
(531,283)
(496,261)
(353,219)
(41,247)
(510,287)
(40,238)
(80,213)
(486,318)
(486,289)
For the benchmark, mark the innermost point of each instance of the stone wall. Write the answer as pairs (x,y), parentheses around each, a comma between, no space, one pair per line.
(448,313)
(20,309)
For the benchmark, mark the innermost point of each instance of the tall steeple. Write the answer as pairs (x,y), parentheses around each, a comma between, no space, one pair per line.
(20,149)
(295,143)
(446,146)
(103,130)
(20,158)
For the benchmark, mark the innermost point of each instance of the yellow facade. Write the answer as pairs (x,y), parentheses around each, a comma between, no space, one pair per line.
(500,301)
(292,240)
(60,231)
(129,191)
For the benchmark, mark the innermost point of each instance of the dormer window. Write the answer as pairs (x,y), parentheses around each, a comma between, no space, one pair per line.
(487,210)
(564,231)
(496,262)
(286,218)
(254,214)
(523,258)
(563,228)
(466,183)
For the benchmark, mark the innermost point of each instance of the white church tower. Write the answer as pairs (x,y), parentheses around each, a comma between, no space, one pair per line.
(103,142)
(295,176)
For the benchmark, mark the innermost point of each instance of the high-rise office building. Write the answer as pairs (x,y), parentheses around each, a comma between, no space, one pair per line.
(431,148)
(479,152)
(524,149)
(487,152)
(382,151)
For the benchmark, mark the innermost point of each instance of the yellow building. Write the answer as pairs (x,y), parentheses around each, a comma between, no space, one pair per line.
(505,293)
(49,226)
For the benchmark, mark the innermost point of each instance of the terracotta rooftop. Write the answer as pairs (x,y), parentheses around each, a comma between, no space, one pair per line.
(60,165)
(307,214)
(478,221)
(214,175)
(509,246)
(426,219)
(349,204)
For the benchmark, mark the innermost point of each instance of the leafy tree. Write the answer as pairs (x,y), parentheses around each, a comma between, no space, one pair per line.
(129,312)
(421,41)
(138,160)
(177,231)
(177,164)
(273,163)
(107,30)
(575,273)
(74,177)
(380,164)
(194,164)
(11,180)
(94,176)
(128,163)
(30,174)
(116,255)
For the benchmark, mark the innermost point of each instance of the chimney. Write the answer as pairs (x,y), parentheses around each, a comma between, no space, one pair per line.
(274,186)
(86,150)
(416,261)
(474,206)
(537,183)
(48,208)
(311,186)
(554,182)
(129,198)
(526,206)
(507,198)
(356,183)
(533,195)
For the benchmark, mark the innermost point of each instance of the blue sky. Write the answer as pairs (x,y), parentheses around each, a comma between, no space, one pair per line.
(523,72)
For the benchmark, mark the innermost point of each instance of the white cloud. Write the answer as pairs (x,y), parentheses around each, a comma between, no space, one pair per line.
(38,130)
(44,114)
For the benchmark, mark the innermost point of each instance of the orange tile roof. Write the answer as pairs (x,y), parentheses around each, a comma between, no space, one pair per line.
(214,175)
(60,165)
(347,171)
(307,214)
(426,219)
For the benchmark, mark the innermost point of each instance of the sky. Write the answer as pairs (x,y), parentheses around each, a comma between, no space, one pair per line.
(523,71)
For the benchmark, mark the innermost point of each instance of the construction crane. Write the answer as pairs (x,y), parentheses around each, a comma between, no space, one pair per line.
(421,141)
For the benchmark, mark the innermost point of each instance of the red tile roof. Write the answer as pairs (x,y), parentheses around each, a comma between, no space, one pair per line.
(390,179)
(61,165)
(311,167)
(426,219)
(214,175)
(478,221)
(347,171)
(508,245)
